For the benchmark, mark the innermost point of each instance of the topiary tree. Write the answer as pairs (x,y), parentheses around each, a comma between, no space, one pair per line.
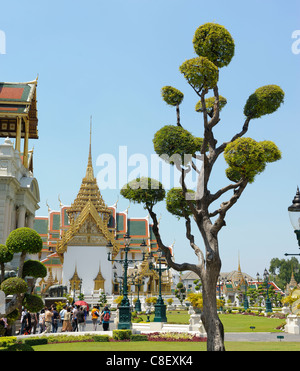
(5,256)
(245,157)
(23,241)
(35,269)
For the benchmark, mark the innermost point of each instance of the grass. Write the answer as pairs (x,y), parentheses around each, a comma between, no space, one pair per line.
(168,346)
(231,322)
(242,323)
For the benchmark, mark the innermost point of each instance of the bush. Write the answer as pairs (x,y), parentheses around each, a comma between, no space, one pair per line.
(24,240)
(19,348)
(121,334)
(36,341)
(33,303)
(138,337)
(14,285)
(6,341)
(34,268)
(101,338)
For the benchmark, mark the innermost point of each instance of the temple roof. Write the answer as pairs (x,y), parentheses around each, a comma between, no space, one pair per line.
(89,191)
(18,99)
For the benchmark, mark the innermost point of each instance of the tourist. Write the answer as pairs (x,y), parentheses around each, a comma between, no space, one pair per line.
(62,314)
(95,315)
(34,322)
(74,319)
(27,323)
(55,320)
(48,319)
(67,321)
(105,317)
(42,321)
(81,319)
(22,320)
(3,323)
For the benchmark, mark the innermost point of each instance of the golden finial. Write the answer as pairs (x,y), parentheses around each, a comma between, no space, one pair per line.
(48,206)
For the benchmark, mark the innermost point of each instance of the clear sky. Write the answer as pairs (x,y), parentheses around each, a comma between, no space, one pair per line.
(109,59)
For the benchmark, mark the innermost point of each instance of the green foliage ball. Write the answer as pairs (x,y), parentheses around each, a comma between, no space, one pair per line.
(247,158)
(14,285)
(33,303)
(209,104)
(24,240)
(5,254)
(200,73)
(263,101)
(171,96)
(173,142)
(34,268)
(177,204)
(214,42)
(144,190)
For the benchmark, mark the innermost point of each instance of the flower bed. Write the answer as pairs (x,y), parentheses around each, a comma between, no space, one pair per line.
(174,336)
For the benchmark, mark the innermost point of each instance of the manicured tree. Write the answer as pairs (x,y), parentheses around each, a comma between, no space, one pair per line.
(180,292)
(5,257)
(245,158)
(24,241)
(35,269)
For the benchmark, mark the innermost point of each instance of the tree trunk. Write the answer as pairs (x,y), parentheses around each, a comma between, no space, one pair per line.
(210,319)
(209,276)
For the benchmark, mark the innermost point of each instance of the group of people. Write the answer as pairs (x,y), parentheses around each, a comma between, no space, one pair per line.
(70,317)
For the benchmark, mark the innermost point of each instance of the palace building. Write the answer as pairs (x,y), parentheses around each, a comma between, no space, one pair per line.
(78,238)
(19,189)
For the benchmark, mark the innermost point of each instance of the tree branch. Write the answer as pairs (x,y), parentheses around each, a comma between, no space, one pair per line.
(225,206)
(166,250)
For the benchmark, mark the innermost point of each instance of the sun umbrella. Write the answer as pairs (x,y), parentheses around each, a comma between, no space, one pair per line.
(82,303)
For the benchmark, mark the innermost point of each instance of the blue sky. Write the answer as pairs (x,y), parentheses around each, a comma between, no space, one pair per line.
(109,59)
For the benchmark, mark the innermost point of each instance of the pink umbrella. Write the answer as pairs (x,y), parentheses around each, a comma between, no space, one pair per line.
(83,304)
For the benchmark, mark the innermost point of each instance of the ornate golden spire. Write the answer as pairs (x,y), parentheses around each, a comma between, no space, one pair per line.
(89,191)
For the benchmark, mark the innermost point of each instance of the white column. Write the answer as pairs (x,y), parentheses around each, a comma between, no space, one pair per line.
(21,216)
(30,220)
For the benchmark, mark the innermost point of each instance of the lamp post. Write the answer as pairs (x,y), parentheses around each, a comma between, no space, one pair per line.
(246,303)
(219,284)
(124,309)
(160,307)
(294,213)
(137,281)
(268,301)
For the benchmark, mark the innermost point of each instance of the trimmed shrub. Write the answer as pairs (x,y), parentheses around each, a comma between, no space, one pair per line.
(6,341)
(101,338)
(20,348)
(121,334)
(14,285)
(36,341)
(138,337)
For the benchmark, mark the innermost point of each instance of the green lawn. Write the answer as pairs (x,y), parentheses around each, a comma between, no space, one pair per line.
(168,346)
(242,323)
(231,322)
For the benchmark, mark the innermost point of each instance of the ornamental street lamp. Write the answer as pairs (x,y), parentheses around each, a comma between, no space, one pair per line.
(246,303)
(268,301)
(160,307)
(138,282)
(219,284)
(294,213)
(124,309)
